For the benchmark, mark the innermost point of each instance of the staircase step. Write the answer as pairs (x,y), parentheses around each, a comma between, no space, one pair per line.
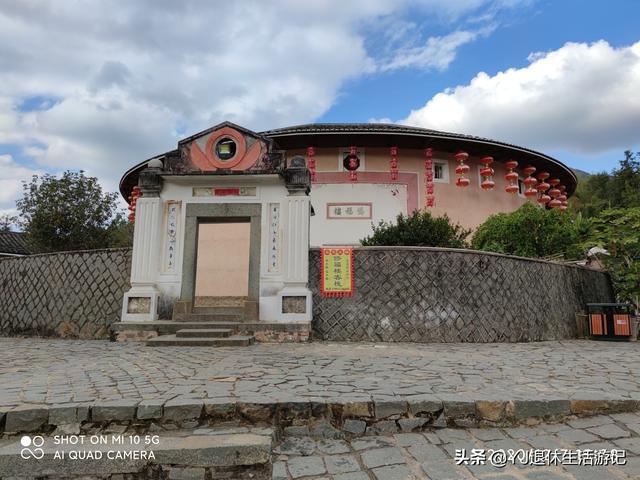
(175,341)
(223,310)
(204,332)
(213,317)
(250,452)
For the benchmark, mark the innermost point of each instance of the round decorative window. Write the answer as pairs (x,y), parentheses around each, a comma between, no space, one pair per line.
(225,148)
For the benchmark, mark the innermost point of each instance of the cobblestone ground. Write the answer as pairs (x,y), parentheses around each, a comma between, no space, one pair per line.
(430,455)
(58,371)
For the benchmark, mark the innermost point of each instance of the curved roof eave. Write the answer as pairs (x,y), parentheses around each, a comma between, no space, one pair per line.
(393,129)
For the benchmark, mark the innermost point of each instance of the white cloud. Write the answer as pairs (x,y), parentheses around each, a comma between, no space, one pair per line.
(117,82)
(581,98)
(11,182)
(437,53)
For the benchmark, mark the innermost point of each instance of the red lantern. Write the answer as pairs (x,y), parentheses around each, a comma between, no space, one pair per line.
(393,163)
(554,192)
(486,172)
(511,176)
(428,177)
(543,199)
(462,169)
(311,162)
(554,182)
(554,203)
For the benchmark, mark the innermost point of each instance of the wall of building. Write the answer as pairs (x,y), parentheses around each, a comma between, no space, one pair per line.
(469,206)
(70,294)
(410,294)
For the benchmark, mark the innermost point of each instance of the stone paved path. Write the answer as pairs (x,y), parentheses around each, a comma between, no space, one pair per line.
(57,371)
(430,455)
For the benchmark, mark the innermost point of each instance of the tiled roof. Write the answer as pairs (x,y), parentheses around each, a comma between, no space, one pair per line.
(13,243)
(382,128)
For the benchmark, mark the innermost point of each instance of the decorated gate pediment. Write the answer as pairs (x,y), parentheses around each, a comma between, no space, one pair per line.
(225,148)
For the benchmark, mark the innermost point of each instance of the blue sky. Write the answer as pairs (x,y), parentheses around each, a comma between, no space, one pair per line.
(83,88)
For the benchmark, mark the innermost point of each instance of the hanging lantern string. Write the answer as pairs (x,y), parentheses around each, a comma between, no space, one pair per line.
(511,176)
(428,177)
(530,182)
(462,169)
(486,172)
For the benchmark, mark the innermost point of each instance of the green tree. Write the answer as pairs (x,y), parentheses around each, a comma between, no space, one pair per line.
(419,229)
(6,222)
(530,231)
(616,231)
(69,213)
(618,189)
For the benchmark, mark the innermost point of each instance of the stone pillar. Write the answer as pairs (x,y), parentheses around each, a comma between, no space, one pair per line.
(140,303)
(295,297)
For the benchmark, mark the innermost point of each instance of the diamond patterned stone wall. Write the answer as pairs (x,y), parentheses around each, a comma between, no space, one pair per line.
(70,294)
(412,294)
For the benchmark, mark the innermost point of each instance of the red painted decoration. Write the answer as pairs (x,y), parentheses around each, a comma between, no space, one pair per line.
(428,177)
(226,192)
(511,176)
(133,199)
(311,162)
(462,169)
(354,163)
(393,163)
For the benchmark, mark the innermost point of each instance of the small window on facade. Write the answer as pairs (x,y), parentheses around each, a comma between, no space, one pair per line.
(520,187)
(440,171)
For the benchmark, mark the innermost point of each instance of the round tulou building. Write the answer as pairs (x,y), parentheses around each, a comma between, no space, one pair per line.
(227,225)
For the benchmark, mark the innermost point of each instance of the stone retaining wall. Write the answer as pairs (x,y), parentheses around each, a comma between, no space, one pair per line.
(402,294)
(411,294)
(68,294)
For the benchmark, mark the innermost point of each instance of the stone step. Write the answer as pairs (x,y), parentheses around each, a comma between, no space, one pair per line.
(213,317)
(206,453)
(174,341)
(204,332)
(224,310)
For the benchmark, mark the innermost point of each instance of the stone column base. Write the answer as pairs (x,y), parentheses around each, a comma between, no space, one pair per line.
(140,304)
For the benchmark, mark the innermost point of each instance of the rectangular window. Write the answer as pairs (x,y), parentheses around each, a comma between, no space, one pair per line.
(440,171)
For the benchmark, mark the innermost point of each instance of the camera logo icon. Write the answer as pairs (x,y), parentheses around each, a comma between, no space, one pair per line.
(31,447)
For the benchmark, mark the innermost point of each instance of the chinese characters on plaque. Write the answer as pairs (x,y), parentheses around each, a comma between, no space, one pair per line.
(336,272)
(173,209)
(274,228)
(349,211)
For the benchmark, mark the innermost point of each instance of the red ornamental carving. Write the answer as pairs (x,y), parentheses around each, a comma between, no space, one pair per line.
(512,176)
(530,182)
(462,169)
(133,199)
(311,163)
(428,177)
(486,172)
(393,163)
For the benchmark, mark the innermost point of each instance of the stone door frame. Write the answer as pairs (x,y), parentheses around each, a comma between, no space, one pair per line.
(197,213)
